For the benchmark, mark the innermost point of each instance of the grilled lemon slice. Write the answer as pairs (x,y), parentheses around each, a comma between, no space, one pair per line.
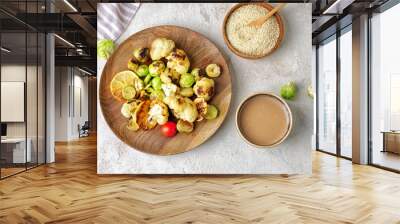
(125,85)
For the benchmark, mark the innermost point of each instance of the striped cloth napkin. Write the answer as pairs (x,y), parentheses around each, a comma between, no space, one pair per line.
(113,18)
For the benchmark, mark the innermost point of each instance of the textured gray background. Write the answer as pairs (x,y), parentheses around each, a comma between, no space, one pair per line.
(226,152)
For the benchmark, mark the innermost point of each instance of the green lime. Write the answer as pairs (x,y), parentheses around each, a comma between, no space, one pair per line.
(128,92)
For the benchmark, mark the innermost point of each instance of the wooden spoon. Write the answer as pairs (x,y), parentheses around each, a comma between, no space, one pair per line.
(260,21)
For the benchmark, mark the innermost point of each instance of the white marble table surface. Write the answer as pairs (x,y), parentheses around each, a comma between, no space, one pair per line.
(226,152)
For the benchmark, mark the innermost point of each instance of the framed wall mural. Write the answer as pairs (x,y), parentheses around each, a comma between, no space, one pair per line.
(206,94)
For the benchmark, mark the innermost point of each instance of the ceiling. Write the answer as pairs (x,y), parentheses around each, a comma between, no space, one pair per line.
(75,21)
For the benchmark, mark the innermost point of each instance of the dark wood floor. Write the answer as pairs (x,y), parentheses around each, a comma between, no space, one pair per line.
(70,191)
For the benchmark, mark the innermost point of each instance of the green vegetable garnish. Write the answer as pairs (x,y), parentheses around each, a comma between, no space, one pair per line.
(132,66)
(156,68)
(105,48)
(212,112)
(187,92)
(156,83)
(157,94)
(143,70)
(187,80)
(147,79)
(289,90)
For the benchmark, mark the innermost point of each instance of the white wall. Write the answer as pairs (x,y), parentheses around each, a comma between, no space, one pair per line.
(70,83)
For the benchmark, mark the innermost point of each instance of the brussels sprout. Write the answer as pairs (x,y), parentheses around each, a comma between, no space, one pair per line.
(156,68)
(132,65)
(184,126)
(147,79)
(187,92)
(157,94)
(141,54)
(289,90)
(156,83)
(142,70)
(212,112)
(204,88)
(213,70)
(178,61)
(186,80)
(105,48)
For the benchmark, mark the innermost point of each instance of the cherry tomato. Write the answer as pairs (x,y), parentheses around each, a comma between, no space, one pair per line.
(169,129)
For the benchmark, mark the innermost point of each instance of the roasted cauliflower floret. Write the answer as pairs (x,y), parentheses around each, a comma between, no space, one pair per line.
(169,89)
(182,107)
(128,109)
(179,61)
(165,76)
(201,106)
(204,88)
(158,112)
(161,47)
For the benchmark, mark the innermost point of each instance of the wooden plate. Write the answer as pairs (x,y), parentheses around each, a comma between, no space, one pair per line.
(241,54)
(201,52)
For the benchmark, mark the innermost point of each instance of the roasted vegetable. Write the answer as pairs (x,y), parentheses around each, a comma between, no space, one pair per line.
(166,76)
(204,88)
(158,112)
(132,65)
(186,92)
(213,70)
(184,126)
(157,94)
(182,107)
(161,47)
(175,76)
(143,116)
(156,83)
(141,54)
(186,80)
(105,48)
(178,61)
(142,70)
(156,68)
(169,89)
(147,79)
(197,73)
(132,124)
(201,106)
(128,109)
(212,112)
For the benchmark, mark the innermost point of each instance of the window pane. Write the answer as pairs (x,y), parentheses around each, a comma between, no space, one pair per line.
(346,94)
(327,97)
(386,89)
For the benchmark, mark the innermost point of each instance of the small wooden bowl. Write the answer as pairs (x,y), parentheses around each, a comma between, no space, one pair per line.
(288,113)
(241,54)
